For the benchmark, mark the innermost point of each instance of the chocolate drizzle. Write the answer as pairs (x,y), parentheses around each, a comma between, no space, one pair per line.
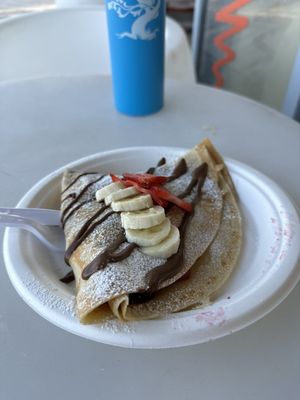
(76,179)
(81,193)
(85,231)
(199,175)
(151,170)
(69,277)
(161,162)
(108,255)
(69,196)
(124,253)
(75,209)
(102,259)
(180,169)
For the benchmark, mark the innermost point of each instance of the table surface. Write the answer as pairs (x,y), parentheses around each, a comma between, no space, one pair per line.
(47,123)
(11,8)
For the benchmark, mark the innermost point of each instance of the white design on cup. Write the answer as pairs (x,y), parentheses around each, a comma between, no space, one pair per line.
(145,11)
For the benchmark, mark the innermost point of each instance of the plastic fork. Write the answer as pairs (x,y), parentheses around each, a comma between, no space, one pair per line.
(44,224)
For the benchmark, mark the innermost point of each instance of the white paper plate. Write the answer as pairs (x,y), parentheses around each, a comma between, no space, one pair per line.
(267,271)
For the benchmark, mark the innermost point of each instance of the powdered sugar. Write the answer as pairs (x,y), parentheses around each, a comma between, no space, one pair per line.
(50,297)
(115,326)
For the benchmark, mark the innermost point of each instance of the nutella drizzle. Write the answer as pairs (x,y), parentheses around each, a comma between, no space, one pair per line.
(69,277)
(75,209)
(199,174)
(124,253)
(108,255)
(102,259)
(76,179)
(70,196)
(81,193)
(85,231)
(161,162)
(180,169)
(151,170)
(159,274)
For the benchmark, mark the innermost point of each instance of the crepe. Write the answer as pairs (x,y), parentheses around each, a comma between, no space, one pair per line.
(210,245)
(206,276)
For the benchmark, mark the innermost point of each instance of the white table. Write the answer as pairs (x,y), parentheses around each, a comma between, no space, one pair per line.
(12,8)
(39,360)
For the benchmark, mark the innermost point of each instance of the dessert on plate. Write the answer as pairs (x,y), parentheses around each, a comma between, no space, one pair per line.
(143,245)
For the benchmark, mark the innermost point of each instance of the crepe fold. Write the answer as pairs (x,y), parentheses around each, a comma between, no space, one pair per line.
(211,244)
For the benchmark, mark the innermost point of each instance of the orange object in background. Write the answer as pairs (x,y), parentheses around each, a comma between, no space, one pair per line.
(247,47)
(236,24)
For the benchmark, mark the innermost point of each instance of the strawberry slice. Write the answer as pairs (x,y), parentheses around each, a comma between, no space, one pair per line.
(159,195)
(146,180)
(115,178)
(165,195)
(161,202)
(127,183)
(155,198)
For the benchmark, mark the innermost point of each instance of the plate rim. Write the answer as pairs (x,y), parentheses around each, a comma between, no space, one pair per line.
(251,315)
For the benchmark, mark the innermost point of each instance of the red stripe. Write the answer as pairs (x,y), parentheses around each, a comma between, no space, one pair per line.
(238,23)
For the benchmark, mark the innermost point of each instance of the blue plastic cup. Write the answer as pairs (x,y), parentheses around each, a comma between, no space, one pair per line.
(136,30)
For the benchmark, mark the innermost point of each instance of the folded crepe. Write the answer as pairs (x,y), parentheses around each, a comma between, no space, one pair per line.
(112,273)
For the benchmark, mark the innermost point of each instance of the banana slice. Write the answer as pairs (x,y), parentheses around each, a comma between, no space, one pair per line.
(167,247)
(107,190)
(143,219)
(133,203)
(120,194)
(150,236)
